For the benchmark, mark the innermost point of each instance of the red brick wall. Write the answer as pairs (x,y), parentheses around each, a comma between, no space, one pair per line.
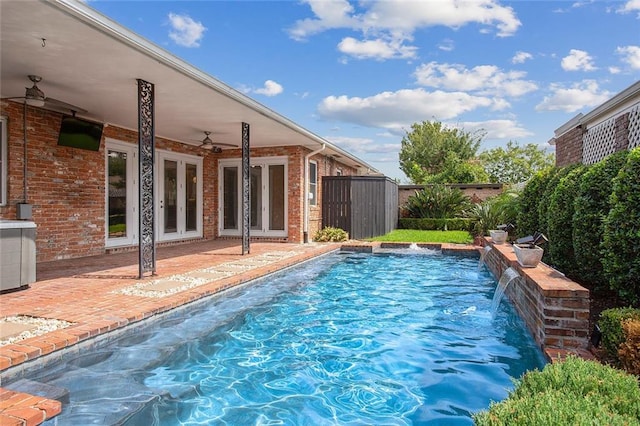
(554,308)
(569,148)
(66,186)
(622,132)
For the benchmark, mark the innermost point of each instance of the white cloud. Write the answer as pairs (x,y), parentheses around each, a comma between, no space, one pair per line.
(485,79)
(392,22)
(271,88)
(497,129)
(376,49)
(398,110)
(614,70)
(447,45)
(630,55)
(185,31)
(363,145)
(578,60)
(631,6)
(520,57)
(570,99)
(329,14)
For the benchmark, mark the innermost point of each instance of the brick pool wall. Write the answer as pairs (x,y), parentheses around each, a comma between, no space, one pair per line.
(554,308)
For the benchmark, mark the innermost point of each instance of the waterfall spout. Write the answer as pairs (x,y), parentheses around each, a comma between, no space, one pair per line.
(483,255)
(507,276)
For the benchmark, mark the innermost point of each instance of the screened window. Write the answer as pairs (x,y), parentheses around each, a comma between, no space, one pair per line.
(313,183)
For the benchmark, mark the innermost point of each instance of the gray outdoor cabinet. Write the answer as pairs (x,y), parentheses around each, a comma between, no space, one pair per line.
(17,254)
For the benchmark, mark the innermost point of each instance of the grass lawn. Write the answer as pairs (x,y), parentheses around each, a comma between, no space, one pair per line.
(415,236)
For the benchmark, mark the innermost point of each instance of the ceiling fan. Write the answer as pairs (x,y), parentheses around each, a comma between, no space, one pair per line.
(34,96)
(208,143)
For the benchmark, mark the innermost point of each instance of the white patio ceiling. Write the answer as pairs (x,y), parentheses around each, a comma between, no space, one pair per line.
(92,62)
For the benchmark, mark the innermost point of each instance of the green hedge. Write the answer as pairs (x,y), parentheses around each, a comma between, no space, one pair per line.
(572,392)
(528,219)
(621,247)
(560,222)
(610,323)
(591,208)
(591,215)
(431,224)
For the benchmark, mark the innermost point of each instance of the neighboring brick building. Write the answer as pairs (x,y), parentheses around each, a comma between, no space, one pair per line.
(611,127)
(84,200)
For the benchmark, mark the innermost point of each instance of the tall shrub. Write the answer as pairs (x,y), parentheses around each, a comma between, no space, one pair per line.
(591,208)
(527,217)
(545,196)
(438,202)
(560,222)
(621,258)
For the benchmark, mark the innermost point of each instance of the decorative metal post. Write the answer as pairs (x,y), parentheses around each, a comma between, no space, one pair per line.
(246,189)
(146,144)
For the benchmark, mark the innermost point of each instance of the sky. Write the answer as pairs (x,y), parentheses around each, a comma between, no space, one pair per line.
(360,73)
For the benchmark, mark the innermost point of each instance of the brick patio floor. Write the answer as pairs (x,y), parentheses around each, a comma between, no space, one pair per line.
(90,293)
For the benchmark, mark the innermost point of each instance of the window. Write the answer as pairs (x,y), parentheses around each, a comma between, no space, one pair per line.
(3,161)
(313,183)
(338,172)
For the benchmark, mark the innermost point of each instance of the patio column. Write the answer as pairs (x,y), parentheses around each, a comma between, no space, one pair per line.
(146,213)
(246,189)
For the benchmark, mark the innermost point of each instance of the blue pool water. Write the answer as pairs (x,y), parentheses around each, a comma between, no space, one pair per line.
(393,339)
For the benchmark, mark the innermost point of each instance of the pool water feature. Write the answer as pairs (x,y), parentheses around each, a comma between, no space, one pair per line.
(345,339)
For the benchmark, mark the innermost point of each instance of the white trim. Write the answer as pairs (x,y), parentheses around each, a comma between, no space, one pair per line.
(313,195)
(132,193)
(4,175)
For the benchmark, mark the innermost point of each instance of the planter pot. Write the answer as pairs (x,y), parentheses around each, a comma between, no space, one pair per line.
(498,237)
(528,256)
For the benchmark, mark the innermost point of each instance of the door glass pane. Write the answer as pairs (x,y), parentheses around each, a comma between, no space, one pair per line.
(230,202)
(117,199)
(256,197)
(276,198)
(313,183)
(191,197)
(170,196)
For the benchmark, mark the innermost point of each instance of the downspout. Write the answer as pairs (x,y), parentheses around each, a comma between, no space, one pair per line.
(305,231)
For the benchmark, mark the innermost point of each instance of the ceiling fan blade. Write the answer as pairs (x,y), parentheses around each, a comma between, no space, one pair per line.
(58,104)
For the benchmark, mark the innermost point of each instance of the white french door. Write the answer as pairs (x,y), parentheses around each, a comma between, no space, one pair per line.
(268,216)
(179,196)
(121,198)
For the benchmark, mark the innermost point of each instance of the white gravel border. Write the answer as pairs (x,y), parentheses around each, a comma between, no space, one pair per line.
(224,269)
(43,326)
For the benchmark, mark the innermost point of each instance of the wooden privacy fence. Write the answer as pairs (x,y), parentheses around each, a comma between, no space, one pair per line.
(364,206)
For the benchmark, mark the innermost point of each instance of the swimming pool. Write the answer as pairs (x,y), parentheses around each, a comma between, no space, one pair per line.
(344,339)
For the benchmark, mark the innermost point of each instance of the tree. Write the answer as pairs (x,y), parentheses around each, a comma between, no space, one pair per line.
(516,163)
(429,145)
(456,170)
